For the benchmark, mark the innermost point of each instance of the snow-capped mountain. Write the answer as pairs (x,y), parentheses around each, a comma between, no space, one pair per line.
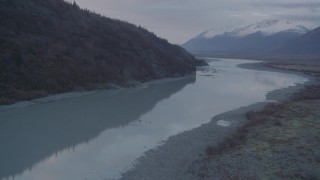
(258,37)
(307,44)
(266,27)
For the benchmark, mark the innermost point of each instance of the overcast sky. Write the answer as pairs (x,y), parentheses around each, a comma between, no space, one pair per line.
(180,20)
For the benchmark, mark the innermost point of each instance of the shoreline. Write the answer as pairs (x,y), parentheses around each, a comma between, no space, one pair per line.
(278,142)
(283,94)
(172,159)
(73,94)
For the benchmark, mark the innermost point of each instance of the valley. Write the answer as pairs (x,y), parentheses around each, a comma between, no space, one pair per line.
(159,90)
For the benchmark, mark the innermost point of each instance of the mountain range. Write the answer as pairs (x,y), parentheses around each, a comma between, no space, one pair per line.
(267,36)
(52,46)
(308,43)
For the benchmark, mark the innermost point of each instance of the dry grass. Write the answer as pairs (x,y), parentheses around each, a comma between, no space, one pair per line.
(239,136)
(311,92)
(272,112)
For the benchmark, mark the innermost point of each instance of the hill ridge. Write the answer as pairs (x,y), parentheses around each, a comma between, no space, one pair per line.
(53,46)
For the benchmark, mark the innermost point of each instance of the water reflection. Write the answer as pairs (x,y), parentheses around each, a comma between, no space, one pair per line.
(119,126)
(29,135)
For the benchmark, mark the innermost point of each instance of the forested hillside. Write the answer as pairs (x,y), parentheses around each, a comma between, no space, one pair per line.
(51,46)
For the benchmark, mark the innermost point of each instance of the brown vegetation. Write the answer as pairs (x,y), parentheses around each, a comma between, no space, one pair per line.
(270,113)
(239,136)
(279,141)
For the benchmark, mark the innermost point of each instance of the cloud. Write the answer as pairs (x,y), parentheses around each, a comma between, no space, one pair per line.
(309,12)
(180,20)
(310,5)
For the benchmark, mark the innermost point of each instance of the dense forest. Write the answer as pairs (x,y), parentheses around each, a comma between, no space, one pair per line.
(54,46)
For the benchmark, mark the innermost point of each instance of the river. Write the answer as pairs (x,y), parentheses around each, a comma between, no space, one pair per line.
(99,135)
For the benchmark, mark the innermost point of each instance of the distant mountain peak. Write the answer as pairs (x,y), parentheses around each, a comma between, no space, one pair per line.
(259,37)
(266,27)
(307,44)
(214,32)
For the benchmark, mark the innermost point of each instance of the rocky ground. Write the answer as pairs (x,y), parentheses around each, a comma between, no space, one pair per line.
(279,142)
(275,141)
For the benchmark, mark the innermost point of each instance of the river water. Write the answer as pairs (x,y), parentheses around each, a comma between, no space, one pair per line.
(99,135)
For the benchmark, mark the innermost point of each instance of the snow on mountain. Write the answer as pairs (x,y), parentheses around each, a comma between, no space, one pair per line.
(214,32)
(266,27)
(261,37)
(307,44)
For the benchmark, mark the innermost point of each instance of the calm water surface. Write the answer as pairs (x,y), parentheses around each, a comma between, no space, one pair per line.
(99,135)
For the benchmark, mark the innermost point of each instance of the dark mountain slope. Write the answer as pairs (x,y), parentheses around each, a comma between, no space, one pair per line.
(307,44)
(52,46)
